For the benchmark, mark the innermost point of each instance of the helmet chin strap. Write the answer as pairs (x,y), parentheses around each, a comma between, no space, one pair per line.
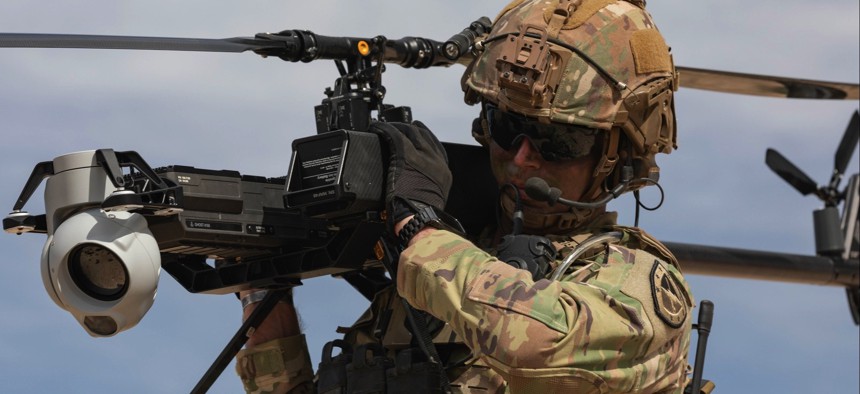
(605,165)
(545,223)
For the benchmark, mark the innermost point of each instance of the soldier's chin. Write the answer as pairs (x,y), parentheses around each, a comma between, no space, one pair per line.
(542,208)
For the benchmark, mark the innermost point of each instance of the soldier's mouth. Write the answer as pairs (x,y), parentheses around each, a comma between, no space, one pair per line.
(524,198)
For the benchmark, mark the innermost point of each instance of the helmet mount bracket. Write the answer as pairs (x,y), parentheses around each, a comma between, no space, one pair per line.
(523,66)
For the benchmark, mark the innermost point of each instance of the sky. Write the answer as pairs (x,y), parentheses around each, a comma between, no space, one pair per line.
(241,112)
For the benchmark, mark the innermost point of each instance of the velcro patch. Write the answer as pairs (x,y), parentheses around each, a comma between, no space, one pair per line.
(583,12)
(669,302)
(650,52)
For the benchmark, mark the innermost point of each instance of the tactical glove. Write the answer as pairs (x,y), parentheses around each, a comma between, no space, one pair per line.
(417,167)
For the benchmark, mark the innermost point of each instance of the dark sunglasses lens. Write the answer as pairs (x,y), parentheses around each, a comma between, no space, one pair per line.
(503,128)
(555,142)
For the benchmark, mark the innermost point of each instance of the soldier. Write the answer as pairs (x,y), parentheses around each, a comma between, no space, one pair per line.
(577,94)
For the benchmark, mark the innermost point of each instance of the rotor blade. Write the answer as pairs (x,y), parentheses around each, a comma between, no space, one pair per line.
(848,144)
(765,85)
(236,44)
(789,172)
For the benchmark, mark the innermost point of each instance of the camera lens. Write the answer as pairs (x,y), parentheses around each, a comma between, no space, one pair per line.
(101,325)
(98,272)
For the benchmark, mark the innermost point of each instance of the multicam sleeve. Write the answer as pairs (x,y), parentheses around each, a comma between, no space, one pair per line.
(496,309)
(600,333)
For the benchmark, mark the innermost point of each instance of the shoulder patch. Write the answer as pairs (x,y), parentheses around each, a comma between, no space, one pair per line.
(668,299)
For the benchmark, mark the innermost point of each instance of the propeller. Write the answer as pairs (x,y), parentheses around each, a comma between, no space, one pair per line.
(78,41)
(829,194)
(293,45)
(765,85)
(789,172)
(846,149)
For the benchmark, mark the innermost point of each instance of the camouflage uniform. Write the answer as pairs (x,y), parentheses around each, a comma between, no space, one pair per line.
(620,323)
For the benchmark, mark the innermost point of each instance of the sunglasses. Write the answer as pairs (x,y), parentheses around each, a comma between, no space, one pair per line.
(554,141)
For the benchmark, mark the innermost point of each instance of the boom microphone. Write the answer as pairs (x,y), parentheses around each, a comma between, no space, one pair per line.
(540,190)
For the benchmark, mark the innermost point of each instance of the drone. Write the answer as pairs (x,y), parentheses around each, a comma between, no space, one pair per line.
(835,262)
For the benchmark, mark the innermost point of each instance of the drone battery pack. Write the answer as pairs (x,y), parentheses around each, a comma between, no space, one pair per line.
(227,215)
(336,174)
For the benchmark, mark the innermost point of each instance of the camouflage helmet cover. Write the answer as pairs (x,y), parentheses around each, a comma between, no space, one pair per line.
(622,79)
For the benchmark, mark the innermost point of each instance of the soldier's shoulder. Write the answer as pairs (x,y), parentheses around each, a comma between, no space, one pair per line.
(639,241)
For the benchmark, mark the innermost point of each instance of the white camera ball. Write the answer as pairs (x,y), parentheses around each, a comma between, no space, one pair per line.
(103,268)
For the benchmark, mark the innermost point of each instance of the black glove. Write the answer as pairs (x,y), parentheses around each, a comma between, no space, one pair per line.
(417,167)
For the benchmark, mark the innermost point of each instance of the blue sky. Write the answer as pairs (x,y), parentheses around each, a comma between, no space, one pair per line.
(240,112)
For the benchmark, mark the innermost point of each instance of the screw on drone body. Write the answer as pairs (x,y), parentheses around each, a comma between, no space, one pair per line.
(524,80)
(379,92)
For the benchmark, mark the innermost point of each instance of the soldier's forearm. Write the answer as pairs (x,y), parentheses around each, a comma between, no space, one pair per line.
(282,322)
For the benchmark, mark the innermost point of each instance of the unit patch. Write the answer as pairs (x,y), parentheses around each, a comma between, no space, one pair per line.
(668,299)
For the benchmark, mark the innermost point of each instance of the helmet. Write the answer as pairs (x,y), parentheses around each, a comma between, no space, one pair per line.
(597,64)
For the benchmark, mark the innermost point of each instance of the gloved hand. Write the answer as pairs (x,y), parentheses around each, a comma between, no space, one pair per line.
(417,167)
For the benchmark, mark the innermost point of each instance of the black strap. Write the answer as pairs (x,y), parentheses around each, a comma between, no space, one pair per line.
(425,342)
(418,325)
